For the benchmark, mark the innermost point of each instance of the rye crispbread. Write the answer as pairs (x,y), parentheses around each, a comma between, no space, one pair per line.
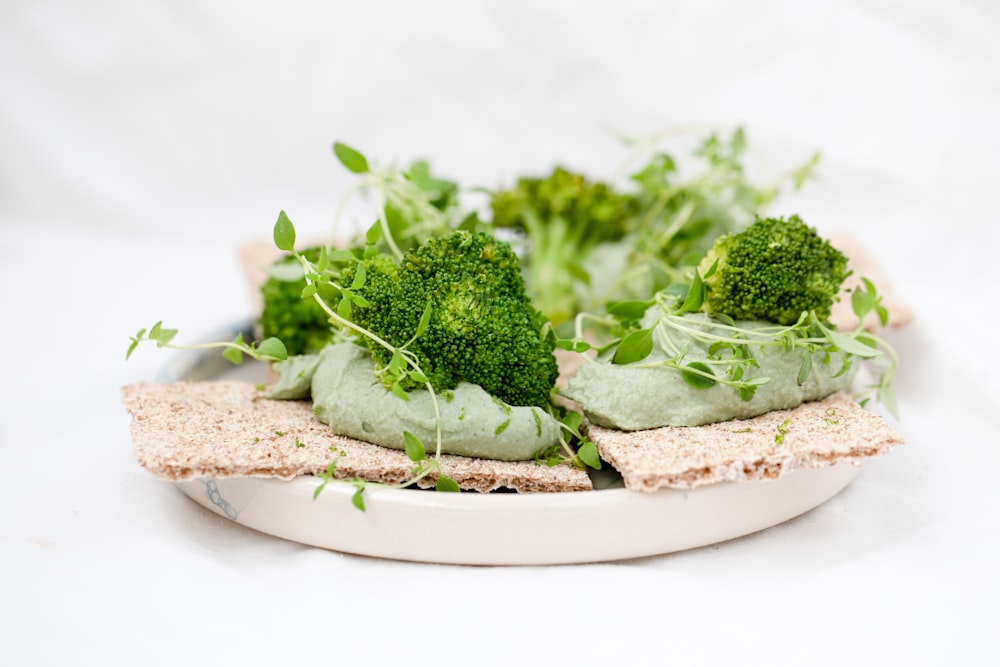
(821,433)
(186,430)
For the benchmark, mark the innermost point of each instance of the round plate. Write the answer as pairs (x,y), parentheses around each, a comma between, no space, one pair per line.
(498,528)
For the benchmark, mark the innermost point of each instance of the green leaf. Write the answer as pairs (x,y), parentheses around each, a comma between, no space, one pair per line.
(414,448)
(447,484)
(692,377)
(636,346)
(695,296)
(308,291)
(350,158)
(577,272)
(850,345)
(589,455)
(135,343)
(323,263)
(274,348)
(234,355)
(284,233)
(629,310)
(572,420)
(418,376)
(396,362)
(373,234)
(425,319)
(160,335)
(344,307)
(805,368)
(398,391)
(359,277)
(358,499)
(340,256)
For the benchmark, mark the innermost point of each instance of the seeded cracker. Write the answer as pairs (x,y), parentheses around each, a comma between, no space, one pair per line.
(188,430)
(817,434)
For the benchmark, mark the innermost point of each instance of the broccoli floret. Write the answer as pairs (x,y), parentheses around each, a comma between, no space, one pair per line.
(482,329)
(299,323)
(562,217)
(774,270)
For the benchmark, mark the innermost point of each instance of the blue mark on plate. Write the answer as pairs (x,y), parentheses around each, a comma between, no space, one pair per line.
(215,497)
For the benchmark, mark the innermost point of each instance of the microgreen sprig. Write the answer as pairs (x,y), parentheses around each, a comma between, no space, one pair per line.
(269,349)
(399,198)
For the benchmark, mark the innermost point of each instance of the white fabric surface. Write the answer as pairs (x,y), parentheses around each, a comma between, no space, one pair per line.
(141,142)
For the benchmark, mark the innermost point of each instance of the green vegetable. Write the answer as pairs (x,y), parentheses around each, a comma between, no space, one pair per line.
(301,324)
(481,327)
(588,243)
(775,270)
(562,217)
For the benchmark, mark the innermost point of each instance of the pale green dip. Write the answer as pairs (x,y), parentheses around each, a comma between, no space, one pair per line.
(630,398)
(352,400)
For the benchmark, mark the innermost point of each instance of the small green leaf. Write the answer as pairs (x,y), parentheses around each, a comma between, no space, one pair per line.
(324,260)
(396,362)
(850,345)
(358,499)
(284,233)
(373,234)
(340,256)
(572,420)
(447,484)
(414,448)
(131,348)
(233,354)
(691,375)
(695,296)
(273,348)
(805,368)
(589,455)
(712,268)
(359,277)
(418,376)
(161,336)
(308,291)
(425,319)
(629,310)
(399,392)
(636,346)
(350,158)
(577,272)
(344,307)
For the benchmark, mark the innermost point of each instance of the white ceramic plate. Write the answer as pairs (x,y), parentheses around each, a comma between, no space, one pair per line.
(500,528)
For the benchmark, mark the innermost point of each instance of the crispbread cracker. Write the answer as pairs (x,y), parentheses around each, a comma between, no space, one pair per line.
(820,433)
(187,430)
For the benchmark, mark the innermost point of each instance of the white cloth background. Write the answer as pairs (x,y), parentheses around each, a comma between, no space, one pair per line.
(142,142)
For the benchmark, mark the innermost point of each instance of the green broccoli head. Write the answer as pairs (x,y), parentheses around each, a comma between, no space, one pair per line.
(593,211)
(562,218)
(299,323)
(482,328)
(774,270)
